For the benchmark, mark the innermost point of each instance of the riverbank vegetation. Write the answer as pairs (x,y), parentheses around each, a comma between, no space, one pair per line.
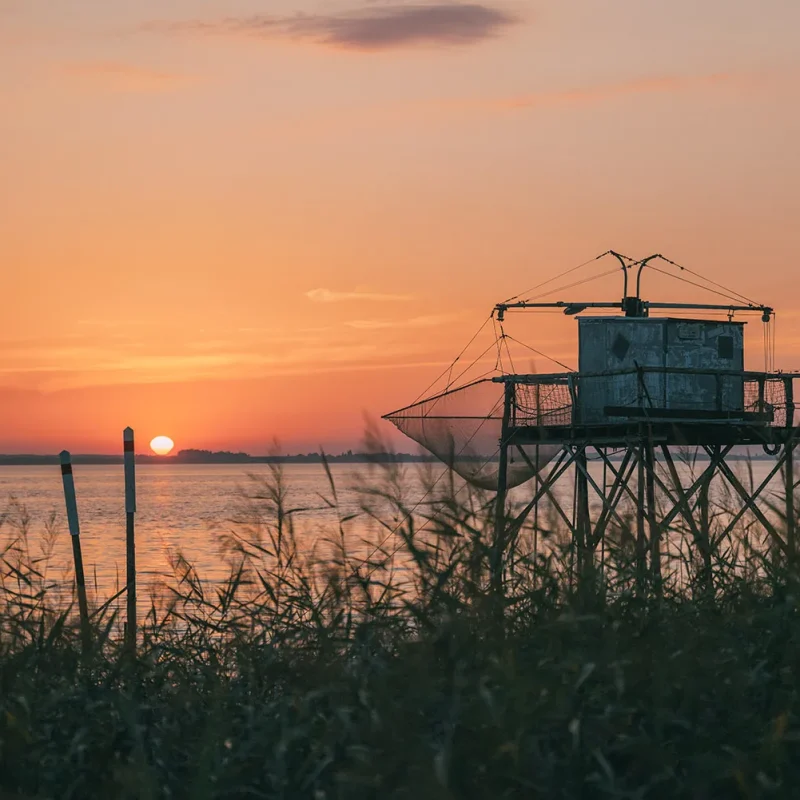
(404,671)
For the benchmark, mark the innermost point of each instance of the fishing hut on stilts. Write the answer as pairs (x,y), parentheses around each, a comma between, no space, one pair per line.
(654,381)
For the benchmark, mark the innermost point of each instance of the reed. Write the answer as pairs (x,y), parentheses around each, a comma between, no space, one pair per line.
(391,668)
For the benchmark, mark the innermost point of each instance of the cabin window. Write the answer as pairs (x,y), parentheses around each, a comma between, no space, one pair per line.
(725,347)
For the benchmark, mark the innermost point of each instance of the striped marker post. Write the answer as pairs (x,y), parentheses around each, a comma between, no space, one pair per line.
(130,511)
(75,535)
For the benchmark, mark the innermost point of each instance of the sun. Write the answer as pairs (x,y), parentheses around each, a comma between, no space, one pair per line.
(161,445)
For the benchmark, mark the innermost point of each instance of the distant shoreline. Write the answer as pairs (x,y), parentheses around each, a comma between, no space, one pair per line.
(211,457)
(207,457)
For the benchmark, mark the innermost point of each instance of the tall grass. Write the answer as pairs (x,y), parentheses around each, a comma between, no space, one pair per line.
(392,668)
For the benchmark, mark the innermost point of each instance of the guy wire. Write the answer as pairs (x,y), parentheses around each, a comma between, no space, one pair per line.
(703,277)
(699,285)
(572,285)
(454,361)
(556,277)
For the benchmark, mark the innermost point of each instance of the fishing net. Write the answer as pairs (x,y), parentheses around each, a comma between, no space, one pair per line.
(769,396)
(462,428)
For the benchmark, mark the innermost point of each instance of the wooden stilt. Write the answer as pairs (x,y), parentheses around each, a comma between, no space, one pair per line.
(653,529)
(583,546)
(749,501)
(496,562)
(641,538)
(791,520)
(537,481)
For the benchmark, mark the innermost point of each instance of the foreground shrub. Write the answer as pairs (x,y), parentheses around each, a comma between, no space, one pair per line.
(398,673)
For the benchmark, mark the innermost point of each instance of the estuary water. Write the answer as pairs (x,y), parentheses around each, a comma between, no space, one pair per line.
(192,508)
(183,508)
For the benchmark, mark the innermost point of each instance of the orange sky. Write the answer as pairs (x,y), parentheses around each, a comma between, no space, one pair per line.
(230,222)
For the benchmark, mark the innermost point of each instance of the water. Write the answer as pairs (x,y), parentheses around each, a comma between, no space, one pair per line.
(190,508)
(187,508)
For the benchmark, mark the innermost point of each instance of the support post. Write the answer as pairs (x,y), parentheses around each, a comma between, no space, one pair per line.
(536,512)
(641,539)
(130,536)
(562,465)
(791,521)
(583,548)
(682,502)
(611,498)
(496,565)
(749,501)
(704,501)
(717,456)
(599,533)
(75,534)
(652,524)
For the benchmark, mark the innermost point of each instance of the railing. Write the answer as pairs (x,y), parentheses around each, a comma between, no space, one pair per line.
(664,393)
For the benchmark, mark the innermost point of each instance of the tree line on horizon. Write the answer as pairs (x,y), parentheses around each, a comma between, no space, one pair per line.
(197,456)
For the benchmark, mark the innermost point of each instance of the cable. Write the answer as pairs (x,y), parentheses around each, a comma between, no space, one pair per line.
(769,346)
(572,285)
(499,361)
(703,277)
(700,286)
(455,360)
(769,349)
(774,337)
(556,277)
(460,375)
(508,353)
(468,368)
(504,339)
(540,353)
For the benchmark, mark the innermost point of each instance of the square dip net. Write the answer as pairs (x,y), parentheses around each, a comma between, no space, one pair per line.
(462,428)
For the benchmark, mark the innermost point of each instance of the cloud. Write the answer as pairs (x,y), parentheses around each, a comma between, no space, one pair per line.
(328,296)
(381,27)
(119,77)
(414,322)
(116,323)
(48,364)
(599,93)
(51,364)
(109,368)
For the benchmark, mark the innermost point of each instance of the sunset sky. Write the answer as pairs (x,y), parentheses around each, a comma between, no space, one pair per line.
(234,221)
